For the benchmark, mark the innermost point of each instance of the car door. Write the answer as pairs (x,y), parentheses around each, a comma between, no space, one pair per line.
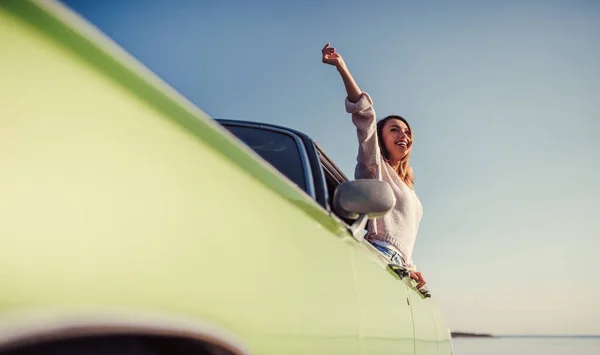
(385,314)
(386,321)
(307,280)
(423,313)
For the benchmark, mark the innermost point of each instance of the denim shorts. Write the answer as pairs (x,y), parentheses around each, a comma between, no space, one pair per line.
(390,254)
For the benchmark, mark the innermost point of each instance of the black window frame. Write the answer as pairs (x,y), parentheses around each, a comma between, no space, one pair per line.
(316,163)
(307,168)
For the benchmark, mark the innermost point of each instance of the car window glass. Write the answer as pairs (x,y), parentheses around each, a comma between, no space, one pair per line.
(278,148)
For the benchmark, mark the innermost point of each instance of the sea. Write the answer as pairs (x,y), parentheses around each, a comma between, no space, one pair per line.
(538,345)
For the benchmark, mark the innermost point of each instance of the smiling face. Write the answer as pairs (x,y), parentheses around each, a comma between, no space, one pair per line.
(396,137)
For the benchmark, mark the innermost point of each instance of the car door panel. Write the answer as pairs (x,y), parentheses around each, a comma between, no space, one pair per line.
(426,342)
(385,315)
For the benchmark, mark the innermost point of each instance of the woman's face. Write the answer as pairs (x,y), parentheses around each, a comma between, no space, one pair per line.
(397,138)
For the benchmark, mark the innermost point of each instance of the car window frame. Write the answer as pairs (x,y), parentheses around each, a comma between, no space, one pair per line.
(328,166)
(309,189)
(314,162)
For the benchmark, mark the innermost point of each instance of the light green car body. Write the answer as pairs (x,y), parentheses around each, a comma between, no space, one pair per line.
(124,208)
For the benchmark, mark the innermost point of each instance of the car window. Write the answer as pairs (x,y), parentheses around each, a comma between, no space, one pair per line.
(278,148)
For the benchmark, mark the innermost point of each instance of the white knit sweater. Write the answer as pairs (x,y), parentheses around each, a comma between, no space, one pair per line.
(399,227)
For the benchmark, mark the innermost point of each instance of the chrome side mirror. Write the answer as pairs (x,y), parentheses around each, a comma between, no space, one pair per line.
(361,200)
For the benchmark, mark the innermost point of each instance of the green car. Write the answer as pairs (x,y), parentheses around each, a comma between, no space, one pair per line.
(132,223)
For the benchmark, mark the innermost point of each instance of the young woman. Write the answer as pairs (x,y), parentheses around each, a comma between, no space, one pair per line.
(383,153)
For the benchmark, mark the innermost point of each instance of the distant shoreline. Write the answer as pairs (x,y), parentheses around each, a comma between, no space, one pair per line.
(470,335)
(525,336)
(539,336)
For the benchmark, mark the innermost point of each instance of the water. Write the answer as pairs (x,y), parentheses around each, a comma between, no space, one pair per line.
(527,346)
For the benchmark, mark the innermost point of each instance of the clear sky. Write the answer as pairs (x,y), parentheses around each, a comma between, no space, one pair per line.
(504,100)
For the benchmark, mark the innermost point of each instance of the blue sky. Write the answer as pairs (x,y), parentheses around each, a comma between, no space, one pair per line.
(504,100)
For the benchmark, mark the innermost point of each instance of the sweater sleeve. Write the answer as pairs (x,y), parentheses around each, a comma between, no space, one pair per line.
(363,117)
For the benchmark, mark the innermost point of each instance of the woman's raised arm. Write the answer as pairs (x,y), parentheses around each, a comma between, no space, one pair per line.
(331,57)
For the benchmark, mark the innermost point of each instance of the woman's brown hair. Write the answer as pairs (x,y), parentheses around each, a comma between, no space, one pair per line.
(405,171)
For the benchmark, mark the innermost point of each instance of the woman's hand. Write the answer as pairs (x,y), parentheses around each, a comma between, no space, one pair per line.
(417,276)
(331,57)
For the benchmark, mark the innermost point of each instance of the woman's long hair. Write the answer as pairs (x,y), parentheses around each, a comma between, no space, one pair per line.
(405,171)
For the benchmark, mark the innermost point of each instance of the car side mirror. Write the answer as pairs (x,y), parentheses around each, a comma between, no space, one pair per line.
(361,200)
